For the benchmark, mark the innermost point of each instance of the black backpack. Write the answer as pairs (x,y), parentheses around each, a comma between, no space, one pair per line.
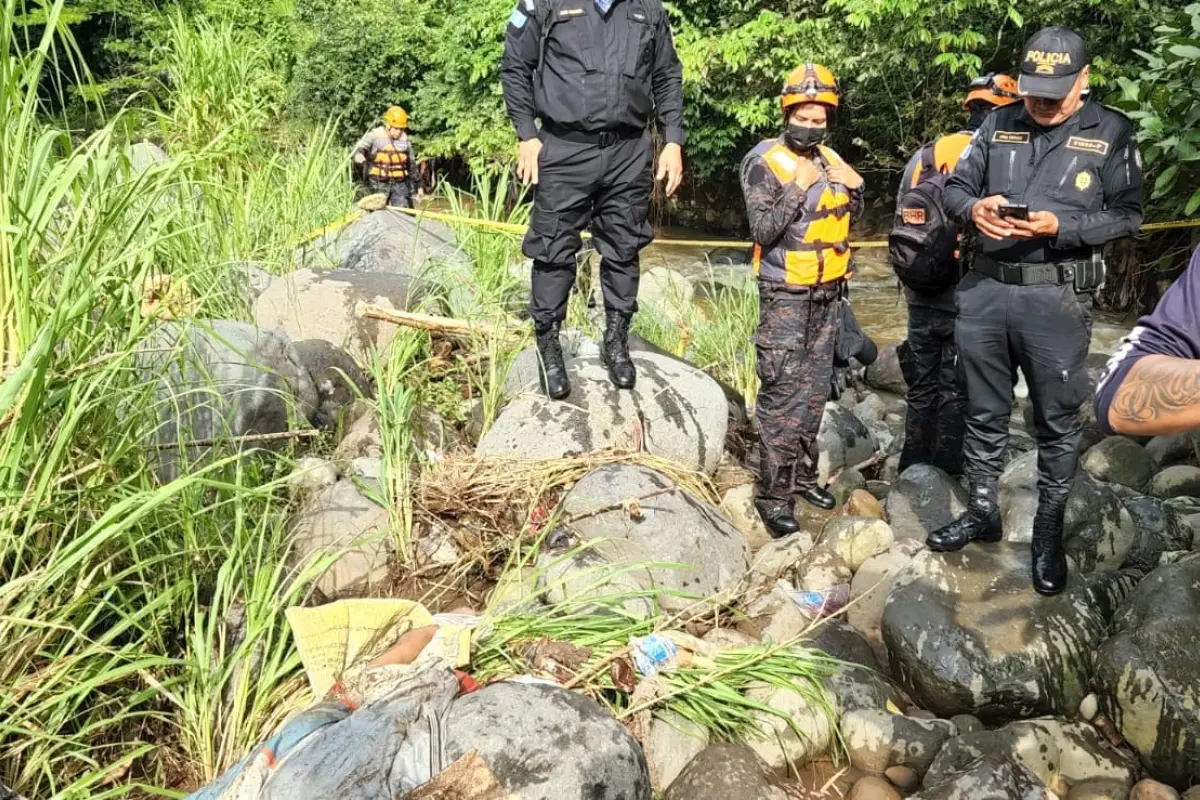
(924,240)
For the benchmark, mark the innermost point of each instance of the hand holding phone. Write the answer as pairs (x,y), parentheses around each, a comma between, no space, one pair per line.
(1013,211)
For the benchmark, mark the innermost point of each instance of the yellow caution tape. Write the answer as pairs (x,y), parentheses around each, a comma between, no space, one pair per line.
(505,227)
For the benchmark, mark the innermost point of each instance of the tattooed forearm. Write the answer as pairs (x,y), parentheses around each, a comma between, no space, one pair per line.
(1161,394)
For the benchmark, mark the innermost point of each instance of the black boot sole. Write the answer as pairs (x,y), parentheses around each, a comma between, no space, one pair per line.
(990,537)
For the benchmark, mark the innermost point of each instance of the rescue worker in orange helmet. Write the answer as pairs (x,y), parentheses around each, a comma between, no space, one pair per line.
(800,199)
(386,156)
(937,405)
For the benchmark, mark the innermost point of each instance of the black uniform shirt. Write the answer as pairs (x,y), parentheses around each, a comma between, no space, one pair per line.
(600,72)
(1086,171)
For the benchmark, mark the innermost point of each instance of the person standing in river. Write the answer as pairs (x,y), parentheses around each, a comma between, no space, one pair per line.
(1047,184)
(800,199)
(592,71)
(386,155)
(934,424)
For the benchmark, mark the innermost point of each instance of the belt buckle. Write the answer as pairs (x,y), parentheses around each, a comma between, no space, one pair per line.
(608,138)
(1068,273)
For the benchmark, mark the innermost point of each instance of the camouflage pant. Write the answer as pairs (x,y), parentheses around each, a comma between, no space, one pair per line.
(794,345)
(937,405)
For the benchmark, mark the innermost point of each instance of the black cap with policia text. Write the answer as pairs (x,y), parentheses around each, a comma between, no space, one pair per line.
(1050,63)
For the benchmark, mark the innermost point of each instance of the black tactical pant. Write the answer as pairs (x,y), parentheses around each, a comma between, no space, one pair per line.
(605,185)
(794,344)
(1045,330)
(935,421)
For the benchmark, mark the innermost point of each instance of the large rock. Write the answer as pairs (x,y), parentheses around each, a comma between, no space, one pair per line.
(1170,448)
(966,633)
(877,740)
(857,684)
(1055,750)
(738,505)
(1097,530)
(805,733)
(1178,481)
(843,441)
(1150,685)
(870,589)
(321,305)
(341,521)
(546,743)
(216,380)
(922,500)
(856,539)
(1160,529)
(673,528)
(990,778)
(670,746)
(338,378)
(1119,460)
(384,241)
(676,411)
(885,374)
(724,771)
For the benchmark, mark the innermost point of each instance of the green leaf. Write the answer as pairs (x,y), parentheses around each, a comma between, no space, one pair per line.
(1016,17)
(1192,204)
(1165,180)
(1186,51)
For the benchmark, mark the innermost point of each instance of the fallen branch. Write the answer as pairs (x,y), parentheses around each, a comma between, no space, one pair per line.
(306,433)
(425,322)
(623,504)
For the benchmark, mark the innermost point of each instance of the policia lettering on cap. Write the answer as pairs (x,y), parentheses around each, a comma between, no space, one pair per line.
(591,71)
(1046,183)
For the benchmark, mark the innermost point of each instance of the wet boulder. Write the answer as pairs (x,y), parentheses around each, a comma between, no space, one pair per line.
(1055,750)
(966,633)
(216,380)
(885,374)
(669,527)
(723,771)
(340,520)
(1169,449)
(1149,683)
(323,305)
(1160,529)
(546,743)
(384,241)
(921,500)
(675,411)
(877,740)
(990,778)
(871,587)
(1119,460)
(858,683)
(855,539)
(1177,481)
(842,441)
(1097,530)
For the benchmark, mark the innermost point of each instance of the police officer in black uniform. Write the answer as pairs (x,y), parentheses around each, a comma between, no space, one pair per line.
(1046,184)
(591,71)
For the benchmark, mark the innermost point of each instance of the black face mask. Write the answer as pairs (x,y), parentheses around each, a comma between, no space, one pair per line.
(804,138)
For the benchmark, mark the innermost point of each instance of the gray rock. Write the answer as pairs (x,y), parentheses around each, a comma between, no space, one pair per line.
(546,743)
(384,241)
(885,374)
(723,771)
(1098,789)
(1119,460)
(738,416)
(965,723)
(322,305)
(312,475)
(1170,449)
(1097,530)
(1147,676)
(877,740)
(603,577)
(871,408)
(856,539)
(363,437)
(1159,529)
(869,593)
(990,778)
(966,633)
(670,746)
(847,481)
(1054,750)
(822,571)
(780,558)
(682,415)
(922,500)
(341,521)
(674,528)
(338,378)
(216,380)
(738,506)
(858,683)
(516,592)
(1149,789)
(776,740)
(1177,481)
(843,441)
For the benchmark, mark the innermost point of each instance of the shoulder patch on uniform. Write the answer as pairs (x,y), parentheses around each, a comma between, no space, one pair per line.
(517,19)
(1083,181)
(570,12)
(1097,146)
(1011,137)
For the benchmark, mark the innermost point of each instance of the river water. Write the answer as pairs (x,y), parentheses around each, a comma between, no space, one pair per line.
(874,293)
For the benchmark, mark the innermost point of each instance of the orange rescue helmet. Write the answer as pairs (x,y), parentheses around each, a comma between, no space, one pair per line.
(810,83)
(995,89)
(396,117)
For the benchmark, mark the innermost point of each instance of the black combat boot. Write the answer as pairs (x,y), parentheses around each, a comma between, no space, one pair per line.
(554,371)
(816,496)
(1049,560)
(779,518)
(615,352)
(981,523)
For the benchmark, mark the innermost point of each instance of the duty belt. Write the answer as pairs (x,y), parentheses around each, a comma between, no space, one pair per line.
(1053,274)
(602,138)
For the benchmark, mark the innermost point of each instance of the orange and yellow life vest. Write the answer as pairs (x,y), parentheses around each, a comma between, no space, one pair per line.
(814,249)
(390,162)
(946,152)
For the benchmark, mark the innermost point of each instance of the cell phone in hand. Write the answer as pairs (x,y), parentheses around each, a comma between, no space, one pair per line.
(1013,211)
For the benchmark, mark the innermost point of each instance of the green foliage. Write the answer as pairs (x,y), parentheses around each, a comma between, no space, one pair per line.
(1164,99)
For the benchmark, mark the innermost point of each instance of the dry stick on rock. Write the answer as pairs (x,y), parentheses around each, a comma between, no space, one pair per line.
(623,504)
(426,322)
(306,433)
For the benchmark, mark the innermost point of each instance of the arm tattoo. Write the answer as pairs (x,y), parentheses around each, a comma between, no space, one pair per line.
(1157,389)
